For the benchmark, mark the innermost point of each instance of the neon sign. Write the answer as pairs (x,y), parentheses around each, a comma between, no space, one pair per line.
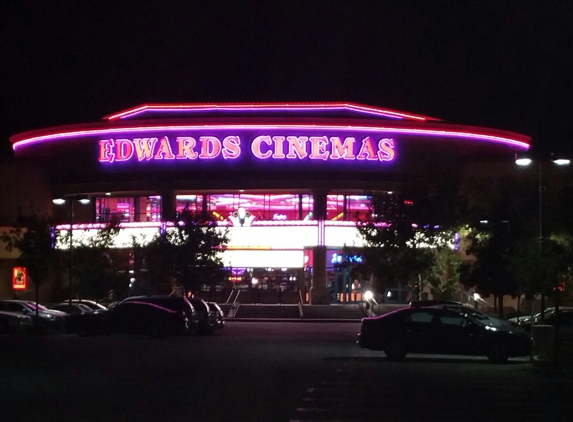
(263,147)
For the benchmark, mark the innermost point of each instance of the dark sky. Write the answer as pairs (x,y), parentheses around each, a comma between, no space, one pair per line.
(500,64)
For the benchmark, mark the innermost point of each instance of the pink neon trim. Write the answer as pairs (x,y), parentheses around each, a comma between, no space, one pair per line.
(158,224)
(191,108)
(442,132)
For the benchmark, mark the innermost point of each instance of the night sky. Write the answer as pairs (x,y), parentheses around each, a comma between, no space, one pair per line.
(499,64)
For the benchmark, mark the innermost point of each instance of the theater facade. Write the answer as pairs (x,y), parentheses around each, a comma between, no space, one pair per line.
(288,180)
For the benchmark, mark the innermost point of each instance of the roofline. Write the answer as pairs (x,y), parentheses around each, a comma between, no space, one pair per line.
(254,107)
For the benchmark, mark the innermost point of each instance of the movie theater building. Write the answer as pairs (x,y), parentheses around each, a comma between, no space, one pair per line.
(286,180)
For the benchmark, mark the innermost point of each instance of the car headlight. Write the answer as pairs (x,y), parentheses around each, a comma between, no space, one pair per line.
(489,327)
(49,316)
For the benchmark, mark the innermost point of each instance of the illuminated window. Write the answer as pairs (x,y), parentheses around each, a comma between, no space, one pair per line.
(128,209)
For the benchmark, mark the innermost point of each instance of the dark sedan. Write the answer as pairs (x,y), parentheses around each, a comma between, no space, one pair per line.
(434,330)
(133,318)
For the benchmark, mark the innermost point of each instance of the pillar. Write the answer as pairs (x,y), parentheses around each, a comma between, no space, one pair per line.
(319,294)
(167,206)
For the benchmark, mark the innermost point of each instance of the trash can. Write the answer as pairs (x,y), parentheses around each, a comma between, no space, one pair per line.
(543,344)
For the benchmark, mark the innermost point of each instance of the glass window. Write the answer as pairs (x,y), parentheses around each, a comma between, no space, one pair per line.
(193,203)
(453,319)
(422,317)
(123,208)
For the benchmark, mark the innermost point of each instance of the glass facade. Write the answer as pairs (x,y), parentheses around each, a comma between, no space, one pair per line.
(255,207)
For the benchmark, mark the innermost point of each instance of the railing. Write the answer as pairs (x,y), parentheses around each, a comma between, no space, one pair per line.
(230,298)
(235,305)
(300,312)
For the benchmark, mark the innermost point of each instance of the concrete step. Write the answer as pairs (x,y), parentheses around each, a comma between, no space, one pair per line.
(260,311)
(268,311)
(333,312)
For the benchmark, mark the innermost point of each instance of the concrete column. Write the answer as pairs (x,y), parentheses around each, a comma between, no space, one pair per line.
(167,205)
(319,294)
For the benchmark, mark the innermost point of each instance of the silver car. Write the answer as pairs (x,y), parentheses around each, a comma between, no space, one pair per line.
(48,320)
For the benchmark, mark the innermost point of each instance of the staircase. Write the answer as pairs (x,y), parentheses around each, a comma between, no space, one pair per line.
(333,312)
(268,311)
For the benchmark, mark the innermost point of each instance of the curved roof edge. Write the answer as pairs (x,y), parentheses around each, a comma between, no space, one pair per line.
(408,128)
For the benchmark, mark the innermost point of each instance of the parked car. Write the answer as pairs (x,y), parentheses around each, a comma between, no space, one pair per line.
(563,319)
(175,303)
(72,311)
(207,320)
(91,303)
(468,310)
(133,317)
(14,323)
(525,320)
(219,316)
(48,320)
(74,308)
(440,330)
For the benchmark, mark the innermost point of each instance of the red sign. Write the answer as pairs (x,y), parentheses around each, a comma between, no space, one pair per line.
(19,278)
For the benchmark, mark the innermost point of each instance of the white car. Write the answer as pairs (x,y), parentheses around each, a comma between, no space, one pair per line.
(14,323)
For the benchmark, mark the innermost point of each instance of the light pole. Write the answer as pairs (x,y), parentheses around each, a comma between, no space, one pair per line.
(60,201)
(524,160)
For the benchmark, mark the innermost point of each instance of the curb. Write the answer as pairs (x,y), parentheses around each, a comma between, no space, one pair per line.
(299,320)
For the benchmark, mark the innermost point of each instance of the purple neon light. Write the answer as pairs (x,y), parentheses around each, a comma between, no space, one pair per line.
(298,127)
(194,108)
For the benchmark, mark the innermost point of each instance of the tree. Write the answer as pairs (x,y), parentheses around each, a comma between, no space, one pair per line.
(499,222)
(402,228)
(94,272)
(186,252)
(444,273)
(32,236)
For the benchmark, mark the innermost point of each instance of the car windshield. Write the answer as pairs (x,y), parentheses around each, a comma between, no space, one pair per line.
(32,306)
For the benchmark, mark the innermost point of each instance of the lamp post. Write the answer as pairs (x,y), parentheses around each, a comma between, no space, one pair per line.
(524,160)
(60,201)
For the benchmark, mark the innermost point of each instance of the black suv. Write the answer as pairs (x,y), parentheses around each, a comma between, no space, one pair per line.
(133,317)
(175,303)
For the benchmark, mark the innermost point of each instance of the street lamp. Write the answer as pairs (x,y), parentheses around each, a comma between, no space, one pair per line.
(84,200)
(525,160)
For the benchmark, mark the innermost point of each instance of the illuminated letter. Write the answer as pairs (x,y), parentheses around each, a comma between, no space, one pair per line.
(297,144)
(319,147)
(106,154)
(210,147)
(278,140)
(164,150)
(185,148)
(367,150)
(340,150)
(256,147)
(144,148)
(386,149)
(231,147)
(123,149)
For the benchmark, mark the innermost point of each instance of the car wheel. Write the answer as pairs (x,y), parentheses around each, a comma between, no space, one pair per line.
(396,350)
(498,352)
(4,328)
